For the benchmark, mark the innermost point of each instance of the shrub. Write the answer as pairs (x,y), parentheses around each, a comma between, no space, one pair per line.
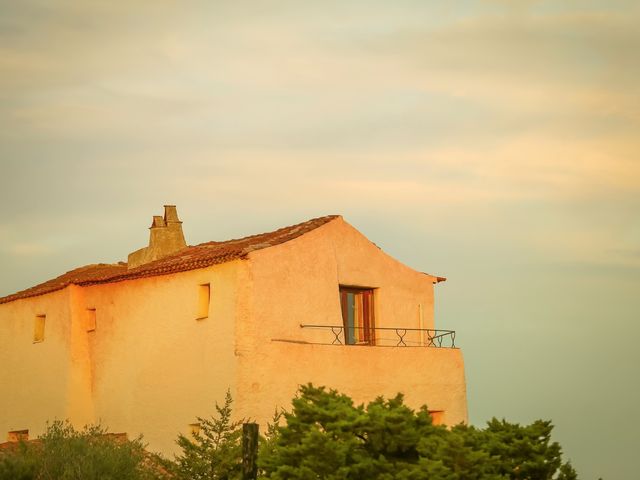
(64,453)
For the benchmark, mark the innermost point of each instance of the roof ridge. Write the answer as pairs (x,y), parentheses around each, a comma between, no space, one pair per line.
(325,217)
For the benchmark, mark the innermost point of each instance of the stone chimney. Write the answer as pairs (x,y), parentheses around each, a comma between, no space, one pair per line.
(165,238)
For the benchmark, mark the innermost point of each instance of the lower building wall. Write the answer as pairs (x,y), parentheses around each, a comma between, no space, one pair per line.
(34,376)
(270,376)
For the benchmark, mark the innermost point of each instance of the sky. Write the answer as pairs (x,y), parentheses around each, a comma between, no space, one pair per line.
(494,143)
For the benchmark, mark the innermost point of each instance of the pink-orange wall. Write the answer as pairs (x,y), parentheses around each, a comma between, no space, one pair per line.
(298,283)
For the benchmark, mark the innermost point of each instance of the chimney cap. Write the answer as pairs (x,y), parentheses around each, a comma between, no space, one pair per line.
(171,214)
(158,221)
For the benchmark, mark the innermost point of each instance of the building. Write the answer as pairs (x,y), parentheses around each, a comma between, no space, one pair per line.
(148,345)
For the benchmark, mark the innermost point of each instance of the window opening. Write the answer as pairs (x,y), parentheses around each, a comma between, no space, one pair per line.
(18,435)
(91,319)
(204,299)
(437,417)
(358,315)
(194,429)
(38,328)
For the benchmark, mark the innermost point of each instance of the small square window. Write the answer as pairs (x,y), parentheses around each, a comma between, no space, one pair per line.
(91,319)
(38,328)
(18,435)
(204,299)
(437,417)
(194,429)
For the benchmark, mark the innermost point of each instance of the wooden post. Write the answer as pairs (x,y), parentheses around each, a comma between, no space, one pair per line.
(249,451)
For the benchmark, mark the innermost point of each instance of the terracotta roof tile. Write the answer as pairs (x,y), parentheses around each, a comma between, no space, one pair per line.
(189,258)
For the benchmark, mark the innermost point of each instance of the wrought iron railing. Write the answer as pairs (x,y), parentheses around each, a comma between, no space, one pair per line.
(384,336)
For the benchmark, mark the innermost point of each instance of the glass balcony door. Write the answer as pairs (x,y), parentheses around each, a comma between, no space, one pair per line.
(358,315)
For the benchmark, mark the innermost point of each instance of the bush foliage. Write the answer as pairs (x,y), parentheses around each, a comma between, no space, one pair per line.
(324,436)
(64,453)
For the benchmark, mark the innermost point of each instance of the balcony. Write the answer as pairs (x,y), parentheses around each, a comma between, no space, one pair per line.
(381,336)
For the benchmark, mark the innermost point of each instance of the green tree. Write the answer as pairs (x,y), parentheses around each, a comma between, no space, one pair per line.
(267,442)
(327,436)
(215,452)
(64,453)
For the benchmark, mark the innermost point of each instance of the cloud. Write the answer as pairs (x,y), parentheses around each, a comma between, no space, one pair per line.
(275,78)
(29,249)
(390,106)
(551,64)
